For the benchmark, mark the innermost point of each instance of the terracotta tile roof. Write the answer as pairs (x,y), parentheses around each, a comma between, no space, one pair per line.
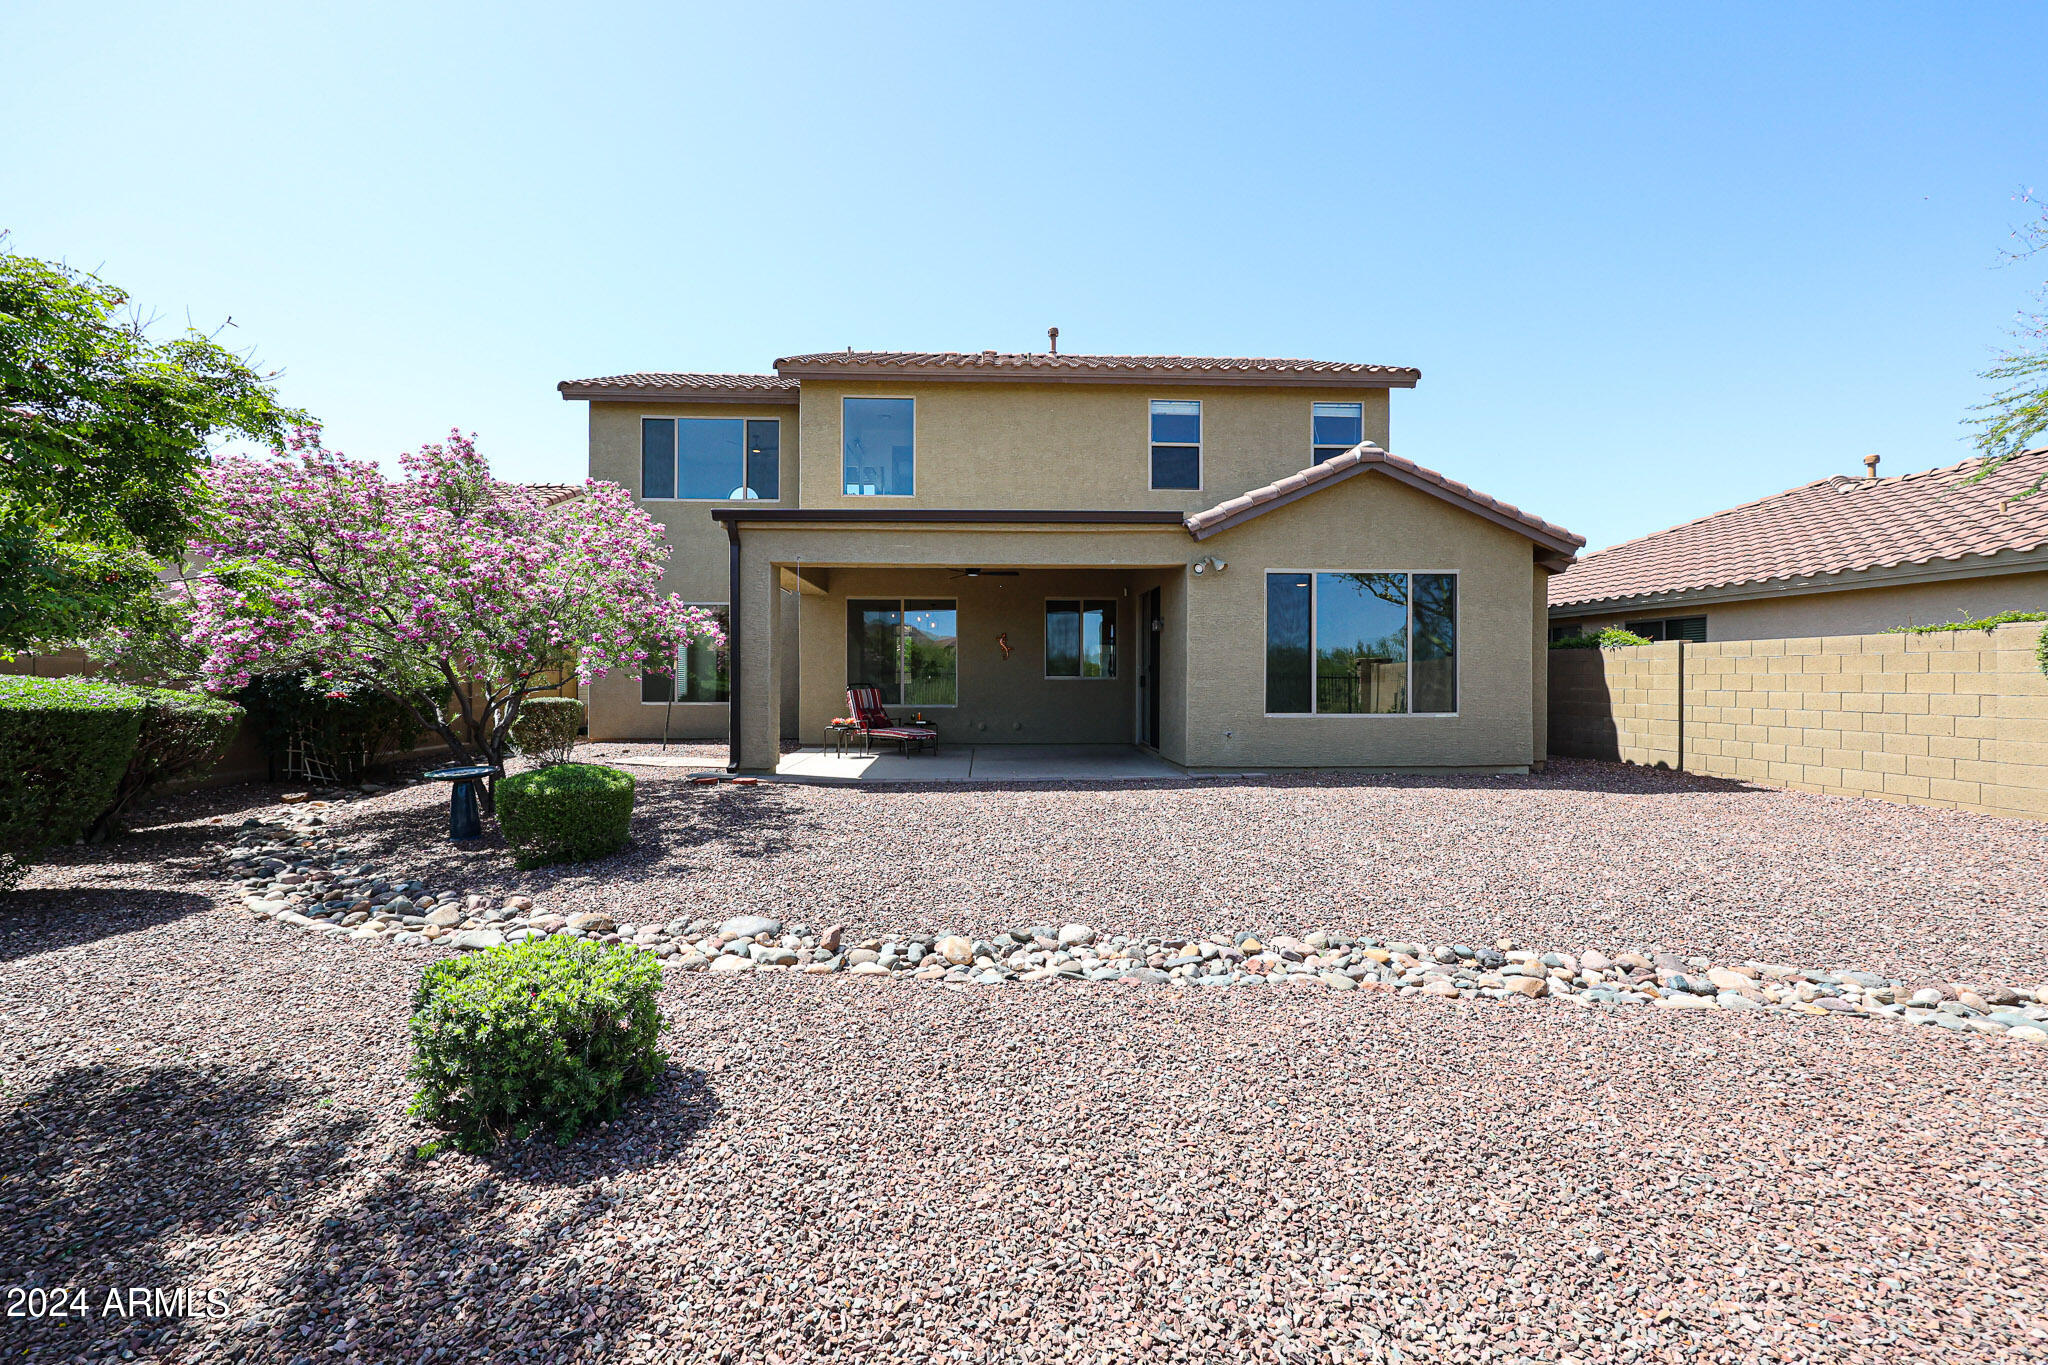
(684,388)
(1173,369)
(553,493)
(1366,458)
(1834,525)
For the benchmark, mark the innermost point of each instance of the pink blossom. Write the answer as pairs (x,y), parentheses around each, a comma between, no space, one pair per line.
(445,583)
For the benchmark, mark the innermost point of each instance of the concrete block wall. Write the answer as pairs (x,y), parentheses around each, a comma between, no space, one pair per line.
(1954,718)
(1616,704)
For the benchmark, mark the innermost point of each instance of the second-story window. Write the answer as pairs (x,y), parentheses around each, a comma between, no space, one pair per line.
(1176,443)
(710,457)
(878,439)
(1338,427)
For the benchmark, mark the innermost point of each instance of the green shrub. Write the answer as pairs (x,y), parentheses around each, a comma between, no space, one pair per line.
(1614,637)
(546,1035)
(63,745)
(545,729)
(183,735)
(569,813)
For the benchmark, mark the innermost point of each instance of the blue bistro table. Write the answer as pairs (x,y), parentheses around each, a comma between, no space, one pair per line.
(463,821)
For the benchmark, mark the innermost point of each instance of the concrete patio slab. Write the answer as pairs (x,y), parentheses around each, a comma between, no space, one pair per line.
(981,763)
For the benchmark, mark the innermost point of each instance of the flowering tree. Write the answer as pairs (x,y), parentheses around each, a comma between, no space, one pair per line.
(448,591)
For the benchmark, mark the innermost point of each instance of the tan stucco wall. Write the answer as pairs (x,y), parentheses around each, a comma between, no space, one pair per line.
(1367,523)
(1539,668)
(1955,718)
(697,568)
(1865,611)
(697,571)
(1055,446)
(1036,446)
(1213,643)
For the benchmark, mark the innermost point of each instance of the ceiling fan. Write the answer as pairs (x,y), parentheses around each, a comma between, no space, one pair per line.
(984,573)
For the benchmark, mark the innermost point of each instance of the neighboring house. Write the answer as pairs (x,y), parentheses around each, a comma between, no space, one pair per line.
(1213,558)
(1840,556)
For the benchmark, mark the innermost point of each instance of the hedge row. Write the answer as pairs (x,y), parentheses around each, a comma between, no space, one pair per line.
(75,754)
(64,744)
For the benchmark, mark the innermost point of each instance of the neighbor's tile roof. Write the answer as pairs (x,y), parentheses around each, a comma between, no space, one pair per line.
(1368,457)
(1833,525)
(1043,365)
(682,388)
(552,493)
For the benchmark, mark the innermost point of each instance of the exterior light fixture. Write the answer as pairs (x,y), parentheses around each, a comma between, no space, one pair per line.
(1208,564)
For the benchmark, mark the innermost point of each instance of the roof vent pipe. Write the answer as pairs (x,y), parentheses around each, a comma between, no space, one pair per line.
(1870,466)
(1052,334)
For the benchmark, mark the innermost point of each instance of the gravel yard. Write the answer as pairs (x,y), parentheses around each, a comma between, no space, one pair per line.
(844,1165)
(1587,855)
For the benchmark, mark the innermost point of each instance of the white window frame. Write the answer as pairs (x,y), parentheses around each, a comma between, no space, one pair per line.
(899,600)
(676,673)
(675,457)
(846,398)
(1045,606)
(1201,444)
(1457,634)
(1313,448)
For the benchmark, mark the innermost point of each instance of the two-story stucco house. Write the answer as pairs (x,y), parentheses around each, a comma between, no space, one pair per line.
(1215,559)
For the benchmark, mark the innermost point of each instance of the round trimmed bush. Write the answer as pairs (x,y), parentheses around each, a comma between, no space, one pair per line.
(64,743)
(569,813)
(182,735)
(546,1035)
(545,728)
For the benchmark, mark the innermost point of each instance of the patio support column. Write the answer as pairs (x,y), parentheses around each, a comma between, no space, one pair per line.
(755,669)
(734,692)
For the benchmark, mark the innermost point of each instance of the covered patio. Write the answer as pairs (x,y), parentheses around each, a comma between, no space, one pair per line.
(1035,631)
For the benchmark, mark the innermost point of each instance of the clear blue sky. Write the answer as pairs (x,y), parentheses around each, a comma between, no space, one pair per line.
(1652,261)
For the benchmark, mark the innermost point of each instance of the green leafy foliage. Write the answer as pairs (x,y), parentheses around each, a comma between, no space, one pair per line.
(2004,618)
(183,735)
(1614,637)
(64,743)
(569,813)
(542,1036)
(545,728)
(103,431)
(2016,415)
(349,724)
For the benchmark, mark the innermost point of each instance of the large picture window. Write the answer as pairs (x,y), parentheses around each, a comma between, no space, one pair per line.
(1176,443)
(712,458)
(908,648)
(1361,643)
(1080,639)
(700,674)
(878,442)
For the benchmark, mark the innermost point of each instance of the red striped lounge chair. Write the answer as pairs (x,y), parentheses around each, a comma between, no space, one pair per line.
(866,705)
